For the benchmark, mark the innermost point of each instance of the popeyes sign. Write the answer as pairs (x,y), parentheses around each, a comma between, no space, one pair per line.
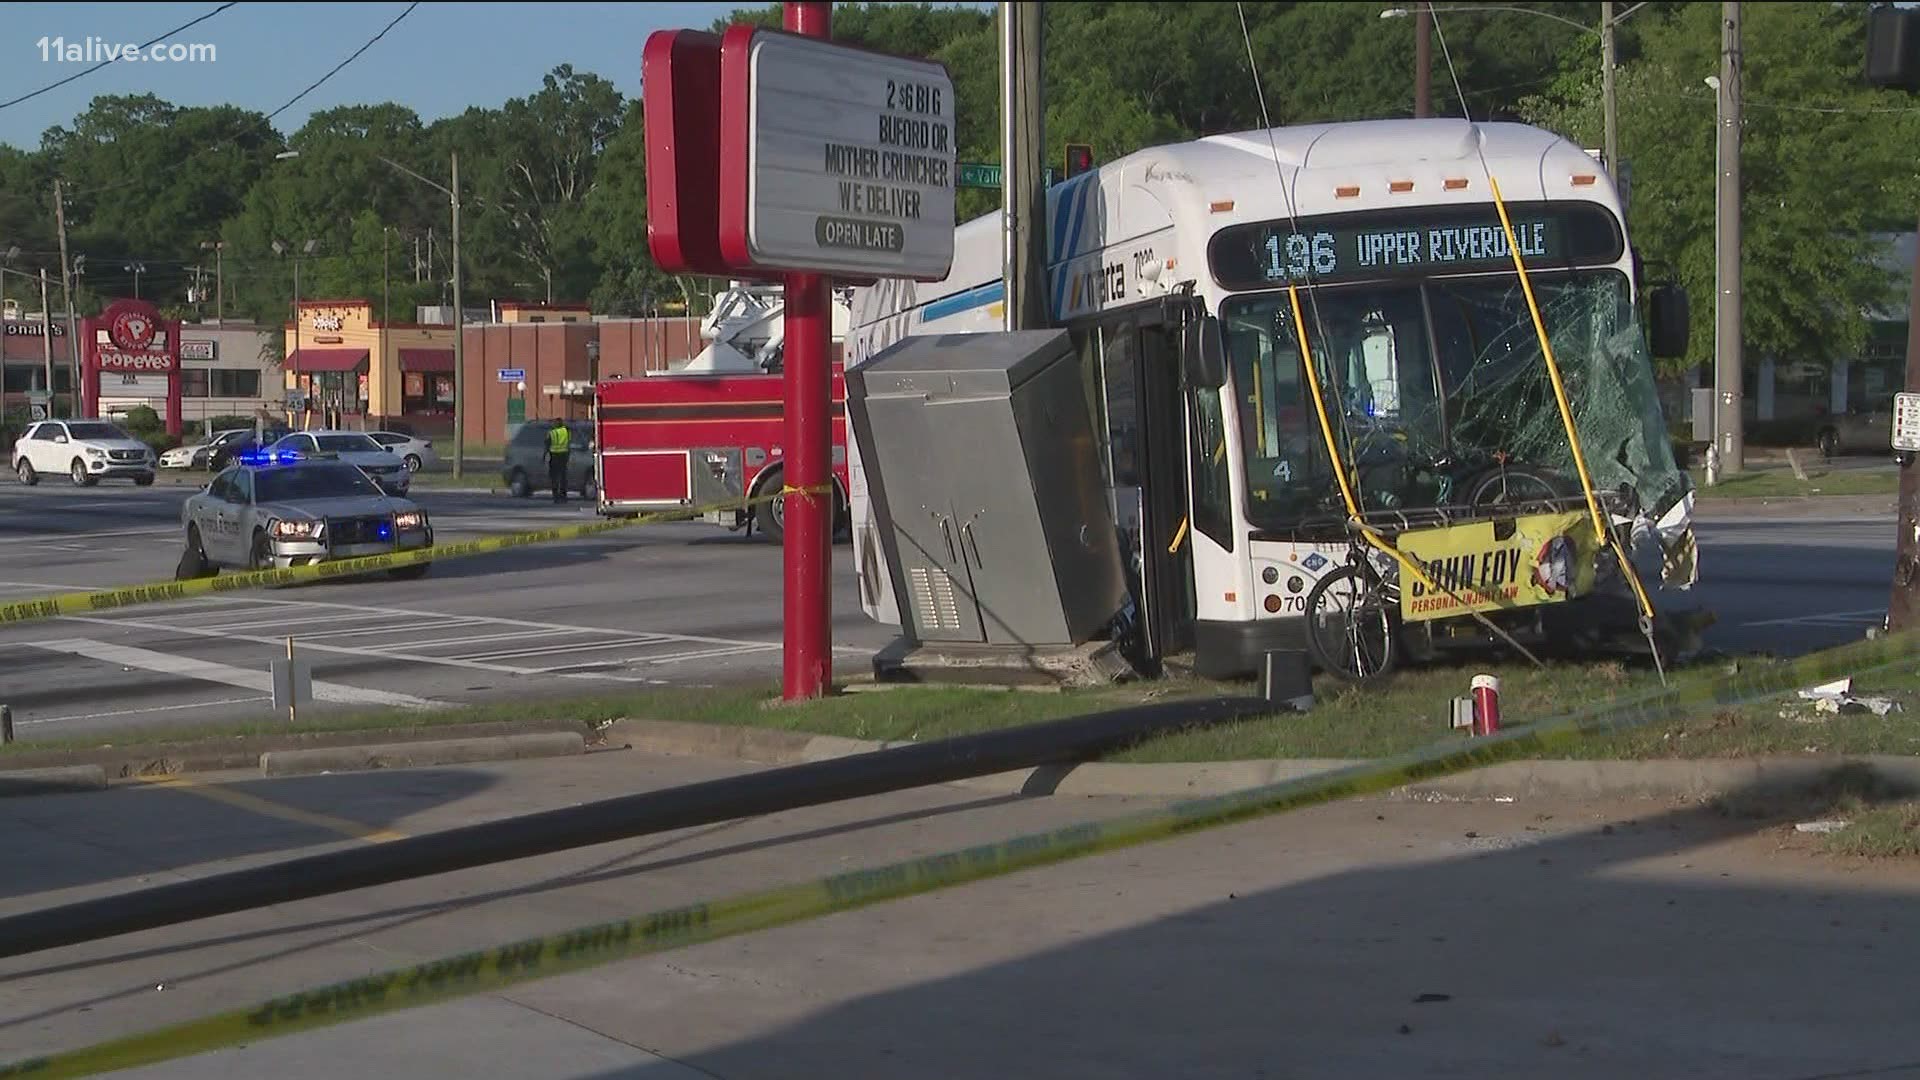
(123,348)
(136,340)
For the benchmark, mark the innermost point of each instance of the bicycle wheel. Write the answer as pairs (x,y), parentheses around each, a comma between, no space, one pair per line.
(1511,487)
(1350,625)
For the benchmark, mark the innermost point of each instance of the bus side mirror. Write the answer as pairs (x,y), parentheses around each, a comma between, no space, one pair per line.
(1200,348)
(1667,321)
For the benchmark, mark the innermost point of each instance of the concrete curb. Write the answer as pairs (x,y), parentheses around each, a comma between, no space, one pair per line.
(243,752)
(1551,779)
(52,781)
(415,754)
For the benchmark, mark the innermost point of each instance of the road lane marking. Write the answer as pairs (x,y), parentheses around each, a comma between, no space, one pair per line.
(510,635)
(530,624)
(42,538)
(209,671)
(140,712)
(388,628)
(343,650)
(572,647)
(242,800)
(1828,617)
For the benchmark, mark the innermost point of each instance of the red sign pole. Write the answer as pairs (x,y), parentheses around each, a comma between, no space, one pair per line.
(807,656)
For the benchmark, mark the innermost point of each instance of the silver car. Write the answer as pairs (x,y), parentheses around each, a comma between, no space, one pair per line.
(257,515)
(354,448)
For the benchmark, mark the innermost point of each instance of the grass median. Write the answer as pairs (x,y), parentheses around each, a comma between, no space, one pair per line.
(1407,711)
(1781,483)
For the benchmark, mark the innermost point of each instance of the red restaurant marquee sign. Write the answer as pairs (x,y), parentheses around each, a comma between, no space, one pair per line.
(131,339)
(114,360)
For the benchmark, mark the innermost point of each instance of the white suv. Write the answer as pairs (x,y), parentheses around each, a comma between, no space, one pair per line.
(86,450)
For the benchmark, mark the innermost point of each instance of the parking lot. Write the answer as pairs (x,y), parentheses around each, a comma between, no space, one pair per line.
(679,603)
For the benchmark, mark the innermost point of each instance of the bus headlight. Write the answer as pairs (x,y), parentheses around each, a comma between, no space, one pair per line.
(296,530)
(410,521)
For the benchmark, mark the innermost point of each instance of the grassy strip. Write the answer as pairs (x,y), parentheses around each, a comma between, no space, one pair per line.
(1406,712)
(1780,483)
(1879,832)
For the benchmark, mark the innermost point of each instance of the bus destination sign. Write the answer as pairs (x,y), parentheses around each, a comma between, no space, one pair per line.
(1367,245)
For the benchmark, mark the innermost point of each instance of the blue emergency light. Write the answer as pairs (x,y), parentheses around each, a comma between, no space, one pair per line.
(262,458)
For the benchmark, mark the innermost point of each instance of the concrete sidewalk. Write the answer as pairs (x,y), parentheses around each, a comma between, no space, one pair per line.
(1363,939)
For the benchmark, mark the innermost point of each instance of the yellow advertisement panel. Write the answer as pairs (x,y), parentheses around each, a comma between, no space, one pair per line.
(1495,565)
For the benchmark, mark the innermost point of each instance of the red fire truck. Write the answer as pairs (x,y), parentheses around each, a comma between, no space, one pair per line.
(710,432)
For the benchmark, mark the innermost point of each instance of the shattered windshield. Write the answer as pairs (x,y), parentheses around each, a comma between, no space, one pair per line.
(1439,397)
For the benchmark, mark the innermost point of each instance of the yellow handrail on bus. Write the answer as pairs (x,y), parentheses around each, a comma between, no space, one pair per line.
(1372,535)
(1566,410)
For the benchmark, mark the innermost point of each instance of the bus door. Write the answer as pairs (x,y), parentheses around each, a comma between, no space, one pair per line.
(1138,391)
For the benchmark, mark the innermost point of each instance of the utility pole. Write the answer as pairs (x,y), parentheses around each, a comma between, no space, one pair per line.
(1023,191)
(46,341)
(1610,146)
(66,276)
(386,316)
(1729,438)
(459,329)
(1891,63)
(1422,60)
(219,248)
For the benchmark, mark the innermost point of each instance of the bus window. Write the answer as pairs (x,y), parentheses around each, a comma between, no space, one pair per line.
(1212,487)
(1086,343)
(1286,462)
(1118,347)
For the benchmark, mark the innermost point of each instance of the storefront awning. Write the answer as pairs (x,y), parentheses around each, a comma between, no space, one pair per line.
(307,361)
(438,360)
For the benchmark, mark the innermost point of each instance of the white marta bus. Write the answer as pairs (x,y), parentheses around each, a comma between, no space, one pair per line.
(1428,358)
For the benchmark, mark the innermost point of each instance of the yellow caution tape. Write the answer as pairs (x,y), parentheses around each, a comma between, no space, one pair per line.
(81,603)
(489,970)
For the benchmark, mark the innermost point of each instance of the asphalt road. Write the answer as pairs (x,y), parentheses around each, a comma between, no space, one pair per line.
(1361,940)
(680,604)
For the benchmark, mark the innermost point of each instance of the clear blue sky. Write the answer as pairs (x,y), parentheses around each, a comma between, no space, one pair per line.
(441,59)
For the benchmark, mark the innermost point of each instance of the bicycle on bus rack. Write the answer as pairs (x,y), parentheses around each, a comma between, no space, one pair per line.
(1354,626)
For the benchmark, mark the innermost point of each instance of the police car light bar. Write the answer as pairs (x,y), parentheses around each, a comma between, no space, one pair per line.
(261,458)
(264,458)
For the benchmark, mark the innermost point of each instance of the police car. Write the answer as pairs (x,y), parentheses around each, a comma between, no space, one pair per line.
(275,510)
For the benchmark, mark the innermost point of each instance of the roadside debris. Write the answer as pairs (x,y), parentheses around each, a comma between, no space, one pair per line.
(1838,697)
(1830,825)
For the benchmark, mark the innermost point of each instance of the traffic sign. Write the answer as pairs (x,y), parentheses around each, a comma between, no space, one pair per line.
(974,174)
(37,411)
(1906,422)
(511,374)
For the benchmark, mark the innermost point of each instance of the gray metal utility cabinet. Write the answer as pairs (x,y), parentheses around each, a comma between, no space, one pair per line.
(984,468)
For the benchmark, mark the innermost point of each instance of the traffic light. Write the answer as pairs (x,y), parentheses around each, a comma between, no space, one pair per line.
(1079,159)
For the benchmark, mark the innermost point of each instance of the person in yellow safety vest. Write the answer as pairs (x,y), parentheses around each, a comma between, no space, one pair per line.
(559,447)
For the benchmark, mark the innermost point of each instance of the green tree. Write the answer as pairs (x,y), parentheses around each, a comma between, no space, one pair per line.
(147,180)
(1821,171)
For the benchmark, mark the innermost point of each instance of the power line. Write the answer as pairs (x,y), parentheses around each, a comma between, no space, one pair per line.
(229,141)
(116,57)
(344,63)
(1756,103)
